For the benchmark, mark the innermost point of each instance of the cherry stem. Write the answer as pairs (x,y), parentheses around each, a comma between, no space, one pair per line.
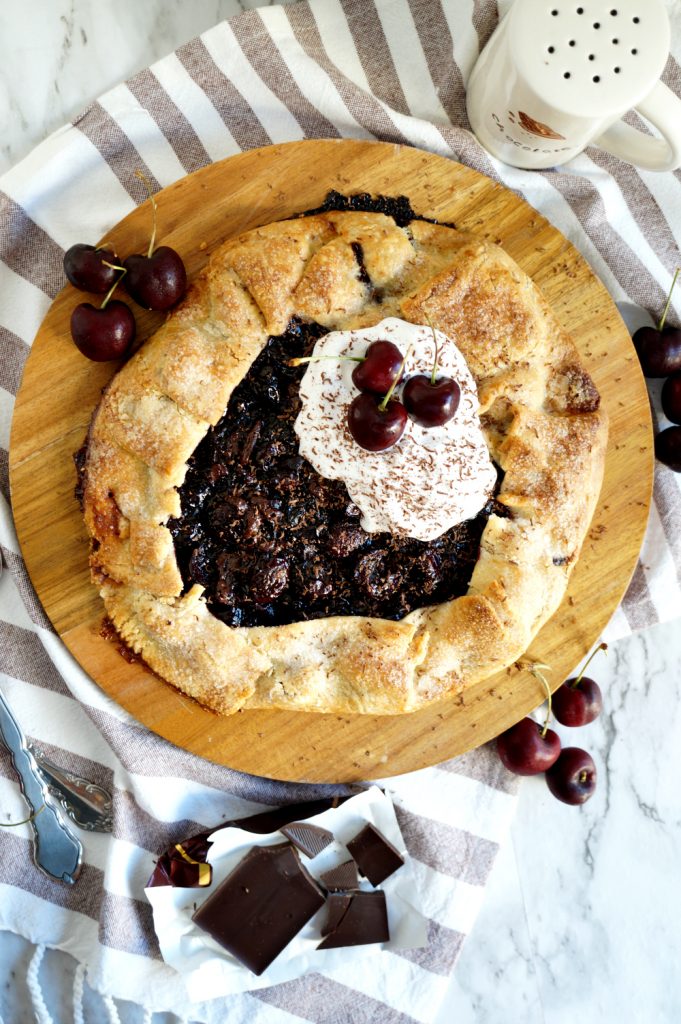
(114,286)
(299,360)
(669,299)
(152,240)
(113,266)
(433,376)
(535,669)
(601,647)
(384,404)
(26,821)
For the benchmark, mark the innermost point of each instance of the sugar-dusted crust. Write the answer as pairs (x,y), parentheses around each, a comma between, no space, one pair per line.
(541,417)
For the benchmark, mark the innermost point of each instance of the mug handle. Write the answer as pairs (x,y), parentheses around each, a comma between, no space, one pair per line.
(663,109)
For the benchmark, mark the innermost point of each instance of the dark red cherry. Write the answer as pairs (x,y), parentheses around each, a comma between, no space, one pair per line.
(528,748)
(157,281)
(668,448)
(659,352)
(103,334)
(579,704)
(373,428)
(671,398)
(572,778)
(431,405)
(85,268)
(382,362)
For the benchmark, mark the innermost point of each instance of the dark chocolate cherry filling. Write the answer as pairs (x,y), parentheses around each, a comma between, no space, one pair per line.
(273,542)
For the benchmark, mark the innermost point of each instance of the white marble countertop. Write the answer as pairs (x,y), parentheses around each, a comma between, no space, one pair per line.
(582,920)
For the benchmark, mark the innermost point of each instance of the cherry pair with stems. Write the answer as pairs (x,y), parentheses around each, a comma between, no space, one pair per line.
(156,280)
(528,748)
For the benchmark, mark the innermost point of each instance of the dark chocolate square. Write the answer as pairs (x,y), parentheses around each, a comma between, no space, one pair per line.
(376,857)
(261,905)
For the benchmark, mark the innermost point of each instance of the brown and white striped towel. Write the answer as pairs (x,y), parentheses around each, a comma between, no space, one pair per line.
(385,69)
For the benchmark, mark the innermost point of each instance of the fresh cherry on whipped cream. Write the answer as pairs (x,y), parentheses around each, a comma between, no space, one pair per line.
(431,401)
(374,424)
(381,366)
(378,423)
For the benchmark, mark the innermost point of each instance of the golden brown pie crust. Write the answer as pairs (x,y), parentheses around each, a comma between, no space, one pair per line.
(540,414)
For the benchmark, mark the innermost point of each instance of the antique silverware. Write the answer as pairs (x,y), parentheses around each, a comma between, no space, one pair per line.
(56,851)
(88,806)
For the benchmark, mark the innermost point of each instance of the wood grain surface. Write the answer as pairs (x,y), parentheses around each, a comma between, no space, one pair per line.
(60,389)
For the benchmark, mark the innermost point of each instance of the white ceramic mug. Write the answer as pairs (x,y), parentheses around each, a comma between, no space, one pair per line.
(557,75)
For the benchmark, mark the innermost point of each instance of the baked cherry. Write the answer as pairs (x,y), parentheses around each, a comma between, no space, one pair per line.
(374,423)
(579,700)
(431,401)
(105,333)
(378,423)
(671,398)
(659,348)
(89,268)
(668,448)
(528,748)
(572,777)
(159,279)
(382,364)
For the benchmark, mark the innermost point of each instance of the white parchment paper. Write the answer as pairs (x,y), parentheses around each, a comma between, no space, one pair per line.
(209,971)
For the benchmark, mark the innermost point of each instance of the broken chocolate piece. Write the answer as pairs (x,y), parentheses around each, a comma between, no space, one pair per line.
(310,839)
(184,865)
(355,919)
(336,907)
(341,878)
(376,857)
(261,905)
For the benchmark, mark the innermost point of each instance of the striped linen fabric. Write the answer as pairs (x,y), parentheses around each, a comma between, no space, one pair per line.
(380,69)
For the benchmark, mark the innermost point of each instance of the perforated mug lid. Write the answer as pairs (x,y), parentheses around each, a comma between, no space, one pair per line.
(589,57)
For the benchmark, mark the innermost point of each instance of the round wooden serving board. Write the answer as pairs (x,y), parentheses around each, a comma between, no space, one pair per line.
(60,389)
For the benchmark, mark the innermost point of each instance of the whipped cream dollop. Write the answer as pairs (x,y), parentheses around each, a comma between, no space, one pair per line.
(434,477)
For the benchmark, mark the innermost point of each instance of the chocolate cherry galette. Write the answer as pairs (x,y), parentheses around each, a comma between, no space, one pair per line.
(256,555)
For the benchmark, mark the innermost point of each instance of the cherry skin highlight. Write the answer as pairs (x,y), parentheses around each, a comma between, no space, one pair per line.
(103,334)
(85,267)
(380,368)
(527,749)
(572,778)
(373,428)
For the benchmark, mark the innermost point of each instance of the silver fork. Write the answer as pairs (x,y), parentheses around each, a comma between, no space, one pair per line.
(87,805)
